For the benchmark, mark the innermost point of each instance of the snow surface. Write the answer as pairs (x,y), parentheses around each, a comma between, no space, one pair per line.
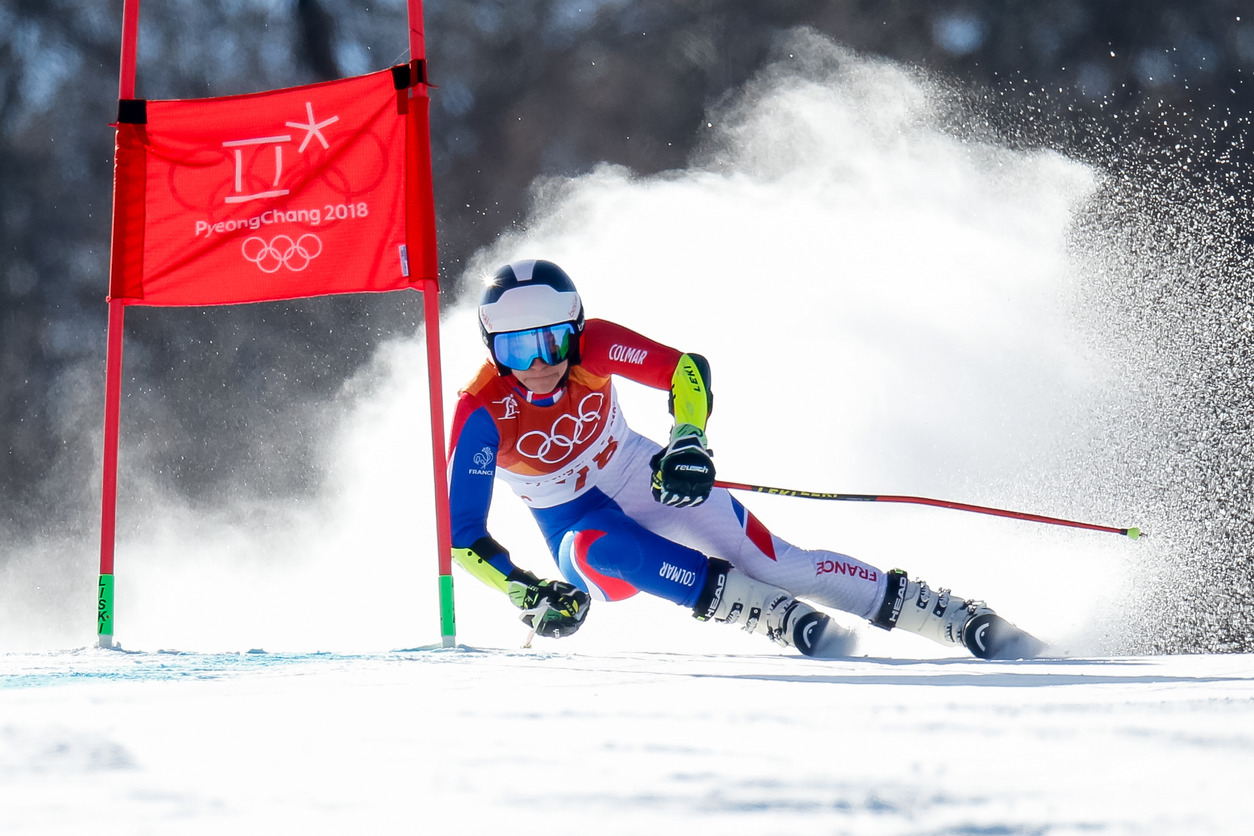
(887,309)
(539,741)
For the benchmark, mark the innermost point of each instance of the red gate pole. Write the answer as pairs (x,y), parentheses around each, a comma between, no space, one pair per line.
(113,364)
(420,227)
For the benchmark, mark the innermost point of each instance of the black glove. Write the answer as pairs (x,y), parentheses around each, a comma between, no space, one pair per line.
(683,473)
(552,608)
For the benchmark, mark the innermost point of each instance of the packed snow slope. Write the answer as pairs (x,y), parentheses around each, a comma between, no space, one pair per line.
(529,741)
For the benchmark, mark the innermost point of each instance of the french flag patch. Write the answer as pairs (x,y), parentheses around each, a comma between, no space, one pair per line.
(757,533)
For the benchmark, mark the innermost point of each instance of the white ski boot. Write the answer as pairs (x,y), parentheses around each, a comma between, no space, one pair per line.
(732,597)
(947,619)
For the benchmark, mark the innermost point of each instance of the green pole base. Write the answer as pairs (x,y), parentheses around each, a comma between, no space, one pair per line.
(104,614)
(448,620)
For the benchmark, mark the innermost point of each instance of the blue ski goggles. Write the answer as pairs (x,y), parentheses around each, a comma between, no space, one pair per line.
(519,349)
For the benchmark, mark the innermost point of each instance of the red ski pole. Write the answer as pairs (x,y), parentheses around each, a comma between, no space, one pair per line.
(1133,533)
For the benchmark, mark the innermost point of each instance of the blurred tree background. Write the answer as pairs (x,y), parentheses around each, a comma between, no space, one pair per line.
(525,90)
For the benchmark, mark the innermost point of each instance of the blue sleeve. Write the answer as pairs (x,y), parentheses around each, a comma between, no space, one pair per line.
(472,472)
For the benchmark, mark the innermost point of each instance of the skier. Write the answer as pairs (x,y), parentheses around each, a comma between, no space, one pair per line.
(622,514)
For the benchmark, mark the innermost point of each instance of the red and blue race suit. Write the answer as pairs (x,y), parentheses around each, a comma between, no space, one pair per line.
(585,475)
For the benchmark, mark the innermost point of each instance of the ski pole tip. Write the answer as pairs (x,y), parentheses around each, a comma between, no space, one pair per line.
(1134,533)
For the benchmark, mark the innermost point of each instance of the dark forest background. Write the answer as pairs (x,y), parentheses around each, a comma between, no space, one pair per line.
(1154,90)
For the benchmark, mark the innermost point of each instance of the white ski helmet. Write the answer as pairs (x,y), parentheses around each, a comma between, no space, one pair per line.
(536,304)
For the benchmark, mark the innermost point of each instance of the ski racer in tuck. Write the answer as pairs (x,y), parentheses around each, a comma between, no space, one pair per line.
(622,514)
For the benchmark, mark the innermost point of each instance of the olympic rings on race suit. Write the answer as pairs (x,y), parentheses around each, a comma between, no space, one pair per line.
(568,432)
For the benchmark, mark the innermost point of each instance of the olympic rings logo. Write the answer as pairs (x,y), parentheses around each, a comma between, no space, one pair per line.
(568,433)
(282,251)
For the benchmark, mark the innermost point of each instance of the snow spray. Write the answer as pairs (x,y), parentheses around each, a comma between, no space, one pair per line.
(893,303)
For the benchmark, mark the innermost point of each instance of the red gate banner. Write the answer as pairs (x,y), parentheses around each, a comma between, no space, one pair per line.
(276,195)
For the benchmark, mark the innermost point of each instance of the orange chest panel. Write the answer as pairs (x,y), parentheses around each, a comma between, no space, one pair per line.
(539,440)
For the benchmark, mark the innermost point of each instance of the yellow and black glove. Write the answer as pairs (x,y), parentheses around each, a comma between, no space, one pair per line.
(555,609)
(552,608)
(683,472)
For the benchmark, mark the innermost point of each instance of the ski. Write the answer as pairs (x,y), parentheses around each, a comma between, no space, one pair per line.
(989,636)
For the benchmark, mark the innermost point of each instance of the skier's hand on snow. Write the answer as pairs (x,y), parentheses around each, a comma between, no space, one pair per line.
(552,608)
(683,473)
